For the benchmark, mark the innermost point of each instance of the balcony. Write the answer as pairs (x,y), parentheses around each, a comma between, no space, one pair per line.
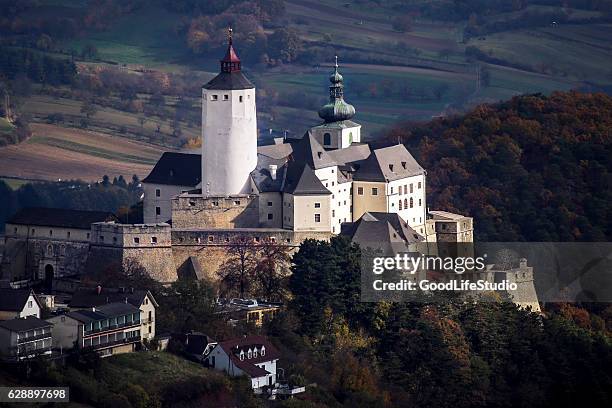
(111,327)
(22,340)
(127,340)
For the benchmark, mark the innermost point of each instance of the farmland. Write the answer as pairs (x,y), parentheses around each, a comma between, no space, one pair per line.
(55,152)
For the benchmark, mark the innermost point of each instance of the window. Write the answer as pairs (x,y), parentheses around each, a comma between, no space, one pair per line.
(214,97)
(15,230)
(154,240)
(404,165)
(30,304)
(270,216)
(241,355)
(360,190)
(419,185)
(317,217)
(68,234)
(226,97)
(157,210)
(269,203)
(240,98)
(326,139)
(157,192)
(50,233)
(411,202)
(101,238)
(333,213)
(33,230)
(406,203)
(211,238)
(237,202)
(400,205)
(411,188)
(137,240)
(317,205)
(391,167)
(374,191)
(114,240)
(263,350)
(420,202)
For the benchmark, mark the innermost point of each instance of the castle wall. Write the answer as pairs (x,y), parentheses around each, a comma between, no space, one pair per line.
(210,246)
(197,212)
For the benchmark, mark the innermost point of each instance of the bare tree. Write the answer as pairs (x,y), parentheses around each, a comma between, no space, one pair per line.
(237,272)
(272,270)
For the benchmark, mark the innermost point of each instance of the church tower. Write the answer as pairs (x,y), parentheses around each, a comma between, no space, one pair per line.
(229,129)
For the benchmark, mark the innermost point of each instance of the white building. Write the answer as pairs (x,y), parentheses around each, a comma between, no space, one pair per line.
(18,303)
(253,356)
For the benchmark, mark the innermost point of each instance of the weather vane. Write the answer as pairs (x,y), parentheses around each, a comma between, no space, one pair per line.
(229,34)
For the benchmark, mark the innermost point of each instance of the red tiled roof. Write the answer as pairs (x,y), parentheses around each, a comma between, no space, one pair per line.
(232,349)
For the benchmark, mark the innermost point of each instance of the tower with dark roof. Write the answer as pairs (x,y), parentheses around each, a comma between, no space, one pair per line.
(229,129)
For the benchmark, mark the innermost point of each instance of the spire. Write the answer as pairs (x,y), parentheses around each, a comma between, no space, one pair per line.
(231,62)
(337,109)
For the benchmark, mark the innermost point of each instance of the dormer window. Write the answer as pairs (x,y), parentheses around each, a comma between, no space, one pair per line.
(319,154)
(249,354)
(255,352)
(241,355)
(391,167)
(263,350)
(214,97)
(404,165)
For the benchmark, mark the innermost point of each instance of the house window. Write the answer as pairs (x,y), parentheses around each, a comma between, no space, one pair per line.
(114,240)
(411,188)
(88,235)
(263,350)
(237,202)
(214,97)
(269,203)
(419,185)
(360,190)
(240,98)
(157,210)
(15,230)
(249,354)
(374,191)
(391,189)
(241,355)
(317,205)
(154,240)
(211,238)
(411,202)
(333,213)
(405,203)
(317,217)
(157,192)
(326,139)
(30,304)
(68,234)
(420,202)
(50,233)
(400,205)
(101,238)
(226,97)
(391,167)
(136,240)
(270,216)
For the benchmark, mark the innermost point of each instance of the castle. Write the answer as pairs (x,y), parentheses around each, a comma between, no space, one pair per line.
(325,183)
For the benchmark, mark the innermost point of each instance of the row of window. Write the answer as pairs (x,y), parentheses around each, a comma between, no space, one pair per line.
(408,203)
(406,188)
(113,322)
(215,97)
(50,232)
(33,333)
(252,353)
(110,338)
(34,345)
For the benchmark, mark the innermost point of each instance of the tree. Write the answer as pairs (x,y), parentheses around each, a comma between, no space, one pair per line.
(237,272)
(88,109)
(272,270)
(284,44)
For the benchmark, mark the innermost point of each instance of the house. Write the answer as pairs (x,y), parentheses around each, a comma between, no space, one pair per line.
(86,298)
(15,303)
(253,356)
(23,338)
(109,329)
(199,345)
(250,311)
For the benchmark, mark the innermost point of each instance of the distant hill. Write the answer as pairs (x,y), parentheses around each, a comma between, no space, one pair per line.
(535,168)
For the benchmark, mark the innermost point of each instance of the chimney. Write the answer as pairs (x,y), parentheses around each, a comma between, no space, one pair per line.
(99,289)
(272,168)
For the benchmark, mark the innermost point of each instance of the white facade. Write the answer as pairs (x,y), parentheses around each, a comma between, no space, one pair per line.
(220,360)
(30,308)
(406,197)
(229,141)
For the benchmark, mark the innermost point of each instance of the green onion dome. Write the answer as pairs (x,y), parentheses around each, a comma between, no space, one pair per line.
(337,109)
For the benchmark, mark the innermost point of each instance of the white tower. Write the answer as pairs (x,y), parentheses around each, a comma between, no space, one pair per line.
(229,130)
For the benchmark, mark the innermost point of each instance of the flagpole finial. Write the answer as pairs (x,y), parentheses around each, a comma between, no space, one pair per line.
(229,34)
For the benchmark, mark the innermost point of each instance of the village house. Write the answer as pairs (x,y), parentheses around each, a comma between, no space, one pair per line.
(253,356)
(22,338)
(109,329)
(16,303)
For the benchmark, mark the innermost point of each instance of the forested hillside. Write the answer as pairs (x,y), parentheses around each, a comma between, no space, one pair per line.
(534,168)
